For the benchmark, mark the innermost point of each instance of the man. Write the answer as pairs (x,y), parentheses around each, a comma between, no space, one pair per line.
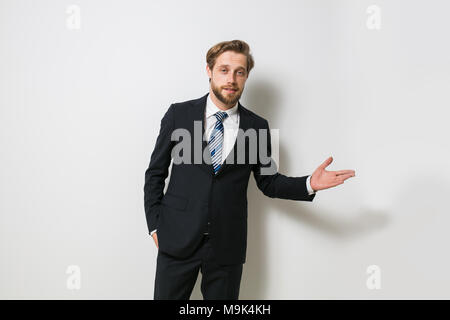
(200,223)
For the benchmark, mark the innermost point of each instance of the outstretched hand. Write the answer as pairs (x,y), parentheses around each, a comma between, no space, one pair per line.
(323,179)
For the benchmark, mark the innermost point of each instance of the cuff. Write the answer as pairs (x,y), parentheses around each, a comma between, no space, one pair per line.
(308,186)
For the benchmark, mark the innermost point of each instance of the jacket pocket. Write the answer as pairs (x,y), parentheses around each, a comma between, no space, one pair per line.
(175,201)
(238,211)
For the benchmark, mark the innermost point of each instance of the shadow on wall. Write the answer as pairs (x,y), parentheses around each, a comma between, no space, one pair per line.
(263,99)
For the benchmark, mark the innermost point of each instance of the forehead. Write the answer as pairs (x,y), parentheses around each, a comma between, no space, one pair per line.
(232,59)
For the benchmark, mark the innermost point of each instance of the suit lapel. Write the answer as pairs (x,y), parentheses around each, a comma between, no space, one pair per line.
(245,122)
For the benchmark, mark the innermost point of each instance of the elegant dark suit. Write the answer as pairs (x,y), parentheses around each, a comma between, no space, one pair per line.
(195,196)
(197,200)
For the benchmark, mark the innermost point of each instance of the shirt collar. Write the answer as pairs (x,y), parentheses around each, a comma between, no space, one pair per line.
(211,109)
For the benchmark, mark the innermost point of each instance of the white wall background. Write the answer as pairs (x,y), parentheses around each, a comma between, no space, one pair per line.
(80,113)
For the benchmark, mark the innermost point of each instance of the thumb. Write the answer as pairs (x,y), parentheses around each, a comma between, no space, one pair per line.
(326,163)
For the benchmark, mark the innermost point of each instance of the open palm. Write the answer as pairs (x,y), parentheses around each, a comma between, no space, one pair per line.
(323,179)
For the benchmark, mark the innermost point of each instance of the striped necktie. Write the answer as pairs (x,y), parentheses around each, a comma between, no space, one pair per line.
(216,141)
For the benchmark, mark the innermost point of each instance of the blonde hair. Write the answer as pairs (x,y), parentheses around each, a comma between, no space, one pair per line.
(237,46)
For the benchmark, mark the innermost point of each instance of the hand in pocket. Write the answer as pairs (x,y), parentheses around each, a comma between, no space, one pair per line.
(155,238)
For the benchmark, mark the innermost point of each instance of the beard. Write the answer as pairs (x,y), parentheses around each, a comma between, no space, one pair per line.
(230,99)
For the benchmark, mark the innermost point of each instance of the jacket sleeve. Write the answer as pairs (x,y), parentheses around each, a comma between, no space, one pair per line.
(274,184)
(158,169)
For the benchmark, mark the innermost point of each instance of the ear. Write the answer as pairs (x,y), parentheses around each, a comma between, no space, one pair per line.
(208,71)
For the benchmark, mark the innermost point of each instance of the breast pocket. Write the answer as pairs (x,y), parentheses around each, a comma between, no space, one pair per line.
(175,201)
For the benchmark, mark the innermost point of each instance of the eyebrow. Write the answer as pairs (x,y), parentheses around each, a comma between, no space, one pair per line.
(227,65)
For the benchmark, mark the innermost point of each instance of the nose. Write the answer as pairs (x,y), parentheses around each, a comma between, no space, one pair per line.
(231,79)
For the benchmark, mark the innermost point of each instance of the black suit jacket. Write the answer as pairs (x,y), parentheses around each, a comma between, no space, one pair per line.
(197,200)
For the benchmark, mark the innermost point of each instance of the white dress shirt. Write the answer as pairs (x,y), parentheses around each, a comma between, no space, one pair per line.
(230,128)
(230,125)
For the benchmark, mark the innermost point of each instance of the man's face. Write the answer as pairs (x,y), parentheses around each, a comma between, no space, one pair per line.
(229,71)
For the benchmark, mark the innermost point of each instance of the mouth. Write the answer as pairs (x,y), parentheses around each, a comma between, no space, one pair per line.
(230,90)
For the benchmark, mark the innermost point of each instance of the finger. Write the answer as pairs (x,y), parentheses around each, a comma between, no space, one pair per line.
(326,163)
(344,177)
(340,172)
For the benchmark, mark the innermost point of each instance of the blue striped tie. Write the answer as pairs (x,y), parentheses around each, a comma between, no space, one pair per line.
(216,141)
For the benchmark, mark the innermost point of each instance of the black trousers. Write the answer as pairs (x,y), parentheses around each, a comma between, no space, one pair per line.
(175,278)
